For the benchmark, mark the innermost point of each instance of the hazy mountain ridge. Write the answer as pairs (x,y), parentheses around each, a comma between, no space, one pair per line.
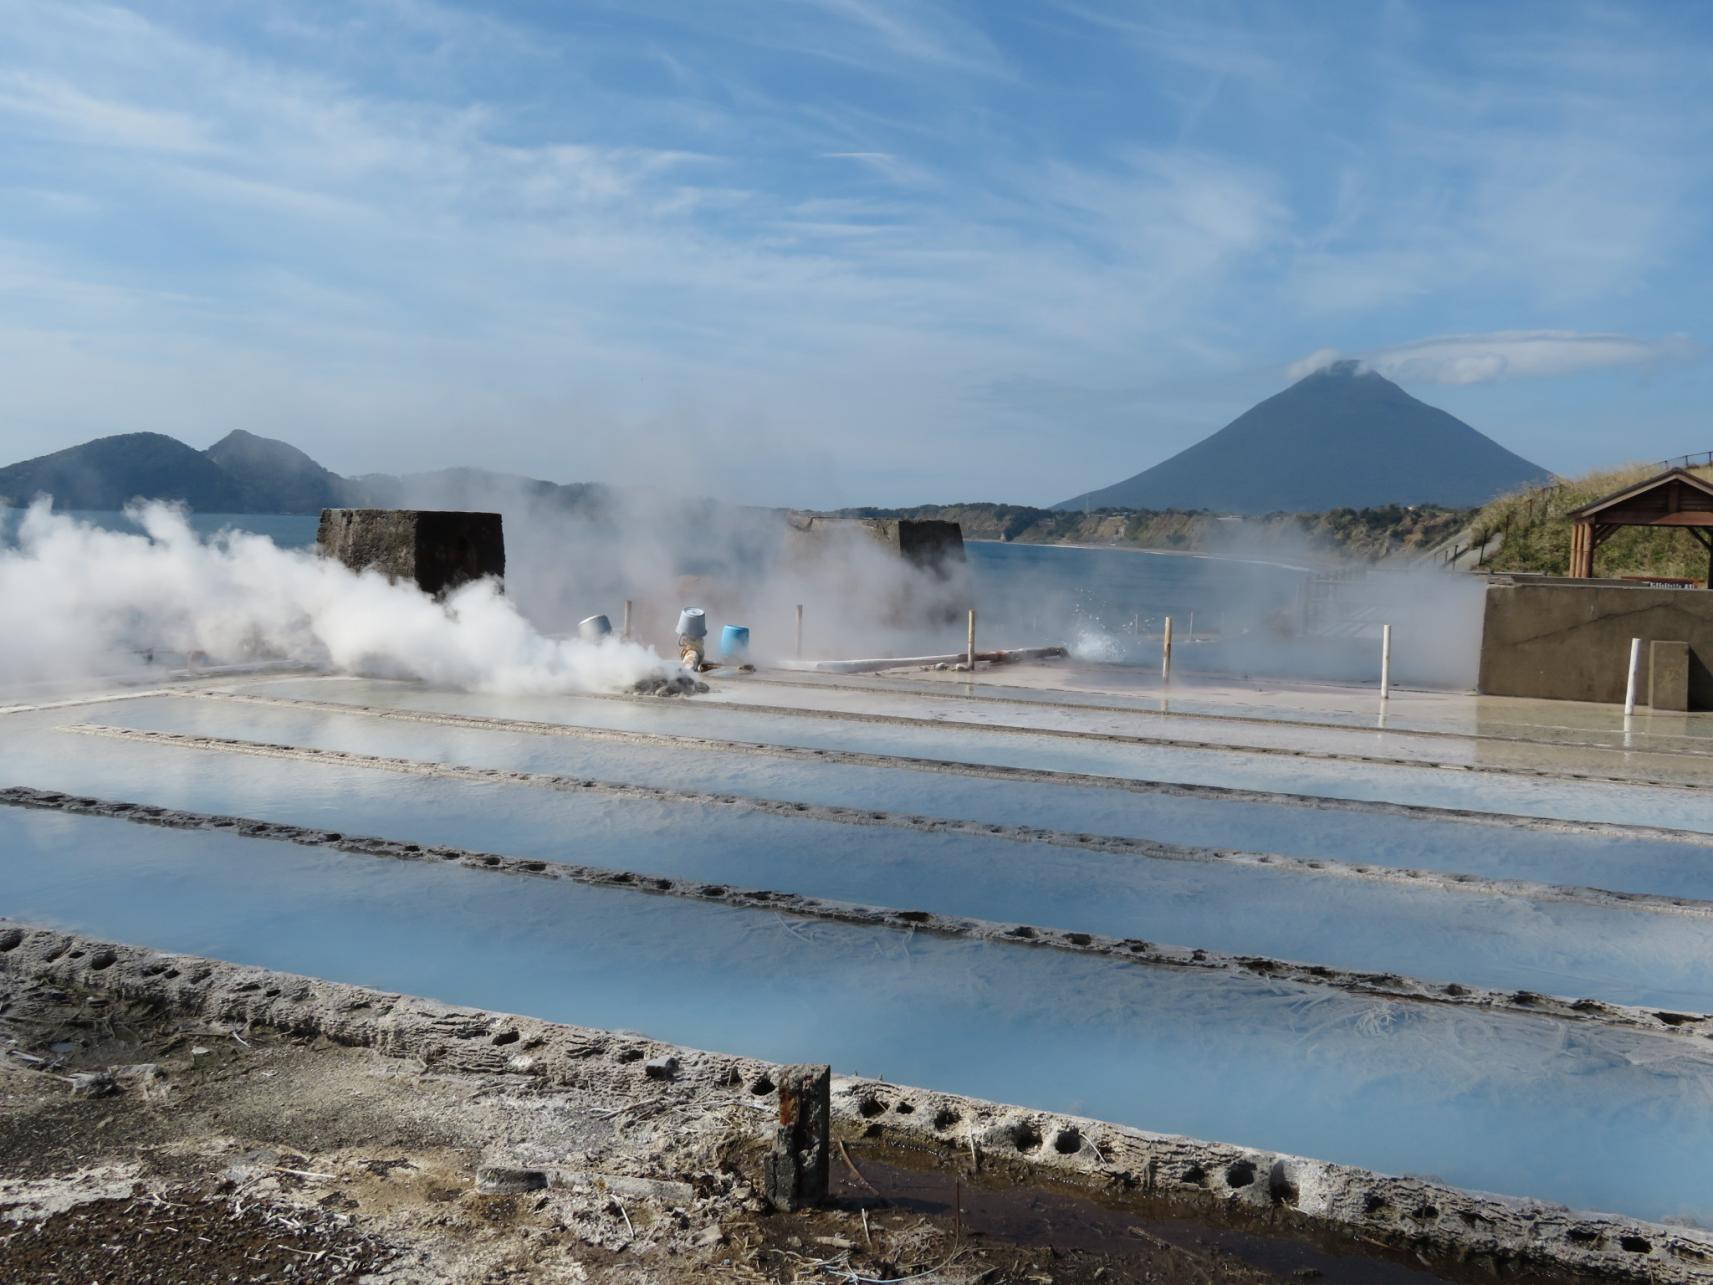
(244,473)
(1341,437)
(111,471)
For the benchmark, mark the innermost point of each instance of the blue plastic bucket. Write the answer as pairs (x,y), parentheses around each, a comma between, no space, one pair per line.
(734,641)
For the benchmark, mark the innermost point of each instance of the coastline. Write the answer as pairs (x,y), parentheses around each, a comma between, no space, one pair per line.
(1158,553)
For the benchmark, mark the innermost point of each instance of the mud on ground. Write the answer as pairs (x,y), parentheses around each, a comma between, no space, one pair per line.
(138,1145)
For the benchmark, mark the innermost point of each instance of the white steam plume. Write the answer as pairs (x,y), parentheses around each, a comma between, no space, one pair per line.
(85,601)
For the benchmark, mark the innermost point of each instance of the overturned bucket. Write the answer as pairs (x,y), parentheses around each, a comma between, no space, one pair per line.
(594,628)
(734,642)
(692,623)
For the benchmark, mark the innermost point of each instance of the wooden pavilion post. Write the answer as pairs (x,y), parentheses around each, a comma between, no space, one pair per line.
(1582,550)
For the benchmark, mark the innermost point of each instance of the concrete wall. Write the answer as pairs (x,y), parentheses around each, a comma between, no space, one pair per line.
(433,549)
(1570,639)
(929,543)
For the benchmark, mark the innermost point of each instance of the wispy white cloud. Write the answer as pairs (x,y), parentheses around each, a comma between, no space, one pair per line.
(64,111)
(843,215)
(1508,354)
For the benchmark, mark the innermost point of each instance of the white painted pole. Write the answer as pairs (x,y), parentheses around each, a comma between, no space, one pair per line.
(799,631)
(1190,633)
(626,634)
(972,641)
(1166,652)
(1385,662)
(1635,674)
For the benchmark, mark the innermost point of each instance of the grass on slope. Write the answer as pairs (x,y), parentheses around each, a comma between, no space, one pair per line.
(1535,527)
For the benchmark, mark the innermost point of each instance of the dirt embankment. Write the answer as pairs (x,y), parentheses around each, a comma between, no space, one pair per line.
(137,1145)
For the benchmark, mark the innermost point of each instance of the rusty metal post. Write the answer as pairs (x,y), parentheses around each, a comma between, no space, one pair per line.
(794,1171)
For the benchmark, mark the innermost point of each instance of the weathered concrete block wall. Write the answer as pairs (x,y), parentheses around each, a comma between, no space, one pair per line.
(435,550)
(1570,639)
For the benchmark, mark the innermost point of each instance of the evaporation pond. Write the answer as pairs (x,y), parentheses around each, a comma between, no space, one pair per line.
(1569,948)
(1623,804)
(1592,1116)
(1491,848)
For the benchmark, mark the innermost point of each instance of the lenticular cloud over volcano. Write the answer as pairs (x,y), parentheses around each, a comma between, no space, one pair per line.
(89,601)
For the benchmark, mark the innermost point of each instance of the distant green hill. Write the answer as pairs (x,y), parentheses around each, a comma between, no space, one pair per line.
(110,472)
(1342,437)
(1364,534)
(276,477)
(244,473)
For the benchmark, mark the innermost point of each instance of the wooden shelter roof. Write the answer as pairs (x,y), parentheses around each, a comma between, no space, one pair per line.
(1676,497)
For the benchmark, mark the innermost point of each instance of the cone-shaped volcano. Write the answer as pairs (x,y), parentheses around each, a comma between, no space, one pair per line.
(1344,436)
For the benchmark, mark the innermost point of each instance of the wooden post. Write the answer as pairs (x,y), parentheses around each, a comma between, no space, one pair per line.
(799,631)
(1166,652)
(794,1171)
(626,633)
(972,641)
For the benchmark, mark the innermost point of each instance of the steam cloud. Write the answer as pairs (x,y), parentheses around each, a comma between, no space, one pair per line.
(86,601)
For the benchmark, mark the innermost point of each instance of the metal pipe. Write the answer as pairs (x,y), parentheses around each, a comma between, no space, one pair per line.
(799,631)
(971,660)
(1635,674)
(625,634)
(1385,662)
(1166,652)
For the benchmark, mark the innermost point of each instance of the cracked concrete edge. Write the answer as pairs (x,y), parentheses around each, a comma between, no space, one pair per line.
(1404,1214)
(1133,950)
(1119,845)
(953,767)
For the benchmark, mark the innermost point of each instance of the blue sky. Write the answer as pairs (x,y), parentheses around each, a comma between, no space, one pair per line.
(827,252)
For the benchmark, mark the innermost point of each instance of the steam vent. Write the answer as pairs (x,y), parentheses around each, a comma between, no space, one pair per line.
(436,550)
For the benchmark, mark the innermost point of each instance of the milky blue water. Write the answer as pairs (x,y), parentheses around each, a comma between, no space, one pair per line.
(1595,1118)
(1449,844)
(1430,787)
(1564,948)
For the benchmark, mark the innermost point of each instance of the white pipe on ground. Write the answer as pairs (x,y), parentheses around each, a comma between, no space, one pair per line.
(1166,652)
(1635,675)
(1385,662)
